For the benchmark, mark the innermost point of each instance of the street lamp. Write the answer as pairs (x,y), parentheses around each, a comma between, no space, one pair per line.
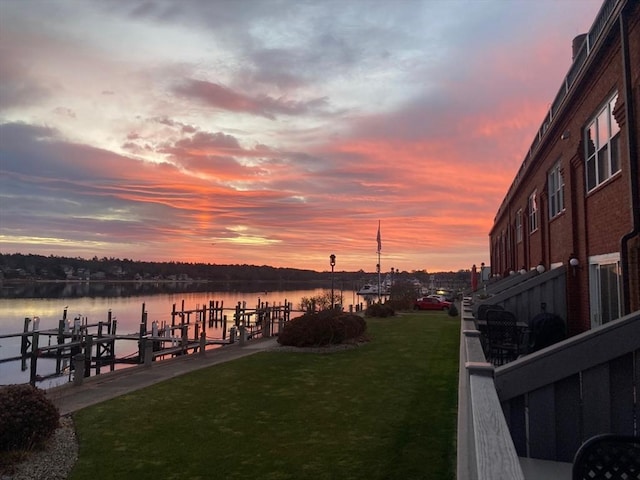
(332,262)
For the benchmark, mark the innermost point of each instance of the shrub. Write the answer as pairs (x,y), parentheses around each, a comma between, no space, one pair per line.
(327,327)
(379,310)
(453,310)
(27,417)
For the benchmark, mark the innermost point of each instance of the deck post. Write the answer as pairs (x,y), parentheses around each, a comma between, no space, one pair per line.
(243,335)
(78,370)
(87,354)
(25,338)
(148,352)
(185,338)
(34,358)
(203,343)
(143,319)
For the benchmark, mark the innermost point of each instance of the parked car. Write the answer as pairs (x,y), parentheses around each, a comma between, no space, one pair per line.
(430,303)
(442,298)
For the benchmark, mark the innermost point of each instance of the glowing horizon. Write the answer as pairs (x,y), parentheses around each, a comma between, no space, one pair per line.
(272,133)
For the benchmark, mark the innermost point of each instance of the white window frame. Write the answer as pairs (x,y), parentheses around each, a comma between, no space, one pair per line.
(555,186)
(519,226)
(602,146)
(533,211)
(596,263)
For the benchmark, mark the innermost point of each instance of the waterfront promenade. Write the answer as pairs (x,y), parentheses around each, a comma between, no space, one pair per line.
(71,397)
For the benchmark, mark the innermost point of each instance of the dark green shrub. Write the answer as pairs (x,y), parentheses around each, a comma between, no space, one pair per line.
(27,417)
(327,327)
(453,310)
(379,310)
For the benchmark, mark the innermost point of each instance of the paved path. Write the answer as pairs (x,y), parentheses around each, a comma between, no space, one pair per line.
(98,388)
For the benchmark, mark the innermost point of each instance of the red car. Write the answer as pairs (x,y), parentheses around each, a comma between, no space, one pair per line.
(430,303)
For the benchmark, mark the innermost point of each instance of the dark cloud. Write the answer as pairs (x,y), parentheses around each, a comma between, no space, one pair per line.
(224,98)
(205,141)
(17,88)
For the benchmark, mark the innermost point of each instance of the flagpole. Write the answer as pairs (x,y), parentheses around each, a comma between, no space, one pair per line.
(379,269)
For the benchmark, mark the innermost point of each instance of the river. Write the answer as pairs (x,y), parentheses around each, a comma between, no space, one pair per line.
(124,306)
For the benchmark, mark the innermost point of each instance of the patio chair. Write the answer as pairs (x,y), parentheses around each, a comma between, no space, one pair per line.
(546,329)
(503,336)
(484,308)
(608,456)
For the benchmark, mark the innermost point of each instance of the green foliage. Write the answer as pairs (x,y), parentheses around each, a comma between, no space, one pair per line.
(320,302)
(380,310)
(453,310)
(27,417)
(327,327)
(402,295)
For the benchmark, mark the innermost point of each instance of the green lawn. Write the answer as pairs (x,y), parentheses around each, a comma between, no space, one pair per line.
(385,410)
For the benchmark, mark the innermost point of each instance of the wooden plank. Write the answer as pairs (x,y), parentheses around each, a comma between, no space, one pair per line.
(622,396)
(565,358)
(542,423)
(496,457)
(568,418)
(596,401)
(515,414)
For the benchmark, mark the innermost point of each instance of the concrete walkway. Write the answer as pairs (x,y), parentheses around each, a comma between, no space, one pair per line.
(98,388)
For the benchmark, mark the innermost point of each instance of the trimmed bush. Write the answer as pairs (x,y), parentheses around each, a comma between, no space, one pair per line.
(453,310)
(27,417)
(327,327)
(379,310)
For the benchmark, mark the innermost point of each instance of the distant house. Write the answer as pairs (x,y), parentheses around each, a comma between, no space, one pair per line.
(575,202)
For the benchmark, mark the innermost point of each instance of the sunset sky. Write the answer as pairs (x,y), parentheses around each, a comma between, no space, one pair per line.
(272,132)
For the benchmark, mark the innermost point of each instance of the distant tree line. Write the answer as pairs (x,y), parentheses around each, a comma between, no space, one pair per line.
(31,267)
(38,267)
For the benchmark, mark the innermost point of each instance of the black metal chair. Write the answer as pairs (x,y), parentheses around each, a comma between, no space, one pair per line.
(484,308)
(546,329)
(608,456)
(503,336)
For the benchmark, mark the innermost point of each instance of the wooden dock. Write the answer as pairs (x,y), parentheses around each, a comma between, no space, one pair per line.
(79,346)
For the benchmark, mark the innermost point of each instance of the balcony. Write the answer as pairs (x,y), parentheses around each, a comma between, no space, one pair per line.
(526,419)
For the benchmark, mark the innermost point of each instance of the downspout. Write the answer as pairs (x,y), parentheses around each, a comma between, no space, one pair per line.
(632,149)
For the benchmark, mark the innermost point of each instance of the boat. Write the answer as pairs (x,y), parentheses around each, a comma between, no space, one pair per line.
(371,289)
(368,289)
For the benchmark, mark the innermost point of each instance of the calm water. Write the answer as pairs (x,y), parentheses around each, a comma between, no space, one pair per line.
(127,310)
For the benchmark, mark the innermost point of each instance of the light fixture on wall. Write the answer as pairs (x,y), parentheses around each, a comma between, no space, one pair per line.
(565,135)
(574,263)
(540,268)
(523,270)
(512,272)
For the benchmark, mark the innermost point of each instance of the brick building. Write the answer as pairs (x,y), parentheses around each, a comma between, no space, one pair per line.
(575,199)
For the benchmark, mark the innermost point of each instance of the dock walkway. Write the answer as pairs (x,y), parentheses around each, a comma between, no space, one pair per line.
(71,397)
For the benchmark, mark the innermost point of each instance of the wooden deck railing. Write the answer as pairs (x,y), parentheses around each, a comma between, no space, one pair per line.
(485,448)
(558,397)
(544,405)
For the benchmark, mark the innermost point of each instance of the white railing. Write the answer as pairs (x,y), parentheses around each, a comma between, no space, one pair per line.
(485,449)
(558,397)
(544,405)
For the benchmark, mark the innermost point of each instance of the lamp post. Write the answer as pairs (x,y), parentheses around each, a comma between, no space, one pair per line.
(332,262)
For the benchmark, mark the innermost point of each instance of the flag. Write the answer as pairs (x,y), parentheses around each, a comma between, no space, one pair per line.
(378,238)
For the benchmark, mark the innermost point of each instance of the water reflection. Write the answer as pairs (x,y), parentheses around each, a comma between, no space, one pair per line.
(126,289)
(94,303)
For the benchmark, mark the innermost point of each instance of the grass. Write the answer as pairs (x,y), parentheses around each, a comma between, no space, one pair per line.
(385,410)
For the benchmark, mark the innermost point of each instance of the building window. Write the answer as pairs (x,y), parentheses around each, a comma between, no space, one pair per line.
(555,184)
(604,285)
(602,143)
(519,226)
(533,211)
